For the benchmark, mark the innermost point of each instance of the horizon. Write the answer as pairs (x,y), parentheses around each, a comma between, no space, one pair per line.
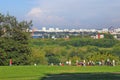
(77,14)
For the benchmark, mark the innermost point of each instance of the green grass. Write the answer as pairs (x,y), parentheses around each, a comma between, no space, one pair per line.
(59,73)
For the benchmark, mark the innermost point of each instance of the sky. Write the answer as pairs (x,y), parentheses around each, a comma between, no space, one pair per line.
(64,14)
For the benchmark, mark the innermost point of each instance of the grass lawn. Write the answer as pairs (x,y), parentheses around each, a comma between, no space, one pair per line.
(59,73)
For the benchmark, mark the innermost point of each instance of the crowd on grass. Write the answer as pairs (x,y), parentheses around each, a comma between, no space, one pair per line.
(107,62)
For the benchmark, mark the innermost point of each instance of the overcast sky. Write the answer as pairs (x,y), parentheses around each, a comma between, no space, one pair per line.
(65,13)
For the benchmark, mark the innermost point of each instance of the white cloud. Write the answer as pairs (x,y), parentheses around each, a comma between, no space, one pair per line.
(44,17)
(35,12)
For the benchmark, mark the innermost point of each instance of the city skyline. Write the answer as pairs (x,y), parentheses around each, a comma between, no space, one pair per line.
(65,13)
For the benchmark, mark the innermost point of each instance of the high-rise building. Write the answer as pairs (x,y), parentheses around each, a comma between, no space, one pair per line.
(43,28)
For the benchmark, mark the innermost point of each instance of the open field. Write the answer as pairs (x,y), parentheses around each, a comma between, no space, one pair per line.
(59,73)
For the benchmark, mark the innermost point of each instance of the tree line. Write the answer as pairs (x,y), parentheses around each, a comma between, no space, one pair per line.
(47,51)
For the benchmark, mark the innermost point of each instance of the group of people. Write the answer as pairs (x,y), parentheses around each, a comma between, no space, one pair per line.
(100,63)
(107,62)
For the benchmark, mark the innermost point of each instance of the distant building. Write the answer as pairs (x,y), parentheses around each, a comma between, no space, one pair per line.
(98,36)
(51,30)
(105,30)
(44,29)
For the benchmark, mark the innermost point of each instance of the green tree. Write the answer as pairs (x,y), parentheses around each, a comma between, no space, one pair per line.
(14,38)
(38,56)
(108,36)
(116,49)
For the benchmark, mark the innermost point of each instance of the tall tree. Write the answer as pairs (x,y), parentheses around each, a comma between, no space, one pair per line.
(14,37)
